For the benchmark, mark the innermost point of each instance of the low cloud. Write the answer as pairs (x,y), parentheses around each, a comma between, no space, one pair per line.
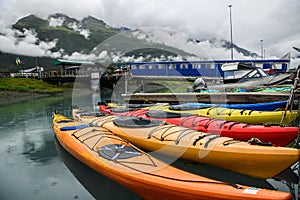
(201,49)
(55,22)
(76,27)
(26,43)
(272,21)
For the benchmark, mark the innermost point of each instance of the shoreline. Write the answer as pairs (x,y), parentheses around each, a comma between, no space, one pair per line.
(8,97)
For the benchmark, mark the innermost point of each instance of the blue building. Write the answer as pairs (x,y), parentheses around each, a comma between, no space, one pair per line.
(205,68)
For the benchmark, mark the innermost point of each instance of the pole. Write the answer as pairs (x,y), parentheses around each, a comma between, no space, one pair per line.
(262,49)
(291,97)
(231,31)
(126,82)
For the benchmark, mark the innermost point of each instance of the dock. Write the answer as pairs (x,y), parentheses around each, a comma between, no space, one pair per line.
(229,97)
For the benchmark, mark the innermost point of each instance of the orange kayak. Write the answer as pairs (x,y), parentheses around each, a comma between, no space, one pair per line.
(145,175)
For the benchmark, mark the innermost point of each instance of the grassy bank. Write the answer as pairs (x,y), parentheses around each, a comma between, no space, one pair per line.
(32,86)
(15,90)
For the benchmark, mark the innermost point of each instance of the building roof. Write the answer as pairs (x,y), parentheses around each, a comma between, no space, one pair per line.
(29,70)
(72,62)
(281,60)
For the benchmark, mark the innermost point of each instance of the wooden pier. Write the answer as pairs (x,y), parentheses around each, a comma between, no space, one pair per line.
(241,97)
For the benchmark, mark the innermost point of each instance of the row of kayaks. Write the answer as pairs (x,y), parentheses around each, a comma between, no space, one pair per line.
(180,142)
(110,141)
(243,114)
(111,146)
(277,135)
(266,106)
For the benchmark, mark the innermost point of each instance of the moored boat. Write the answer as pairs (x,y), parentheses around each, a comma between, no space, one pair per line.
(148,177)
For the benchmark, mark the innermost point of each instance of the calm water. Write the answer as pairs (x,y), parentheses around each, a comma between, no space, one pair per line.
(34,166)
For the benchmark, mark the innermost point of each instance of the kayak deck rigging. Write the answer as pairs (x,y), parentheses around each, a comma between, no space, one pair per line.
(88,137)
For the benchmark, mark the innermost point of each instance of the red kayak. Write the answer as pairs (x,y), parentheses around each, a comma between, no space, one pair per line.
(267,135)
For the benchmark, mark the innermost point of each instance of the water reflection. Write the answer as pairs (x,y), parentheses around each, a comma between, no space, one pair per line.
(98,185)
(42,155)
(30,167)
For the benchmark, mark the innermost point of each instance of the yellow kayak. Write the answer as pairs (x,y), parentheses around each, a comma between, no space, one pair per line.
(147,176)
(237,115)
(242,157)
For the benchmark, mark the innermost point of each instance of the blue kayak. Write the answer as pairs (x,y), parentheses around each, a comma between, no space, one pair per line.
(269,106)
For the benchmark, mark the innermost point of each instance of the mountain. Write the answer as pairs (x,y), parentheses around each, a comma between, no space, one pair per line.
(69,34)
(227,45)
(61,36)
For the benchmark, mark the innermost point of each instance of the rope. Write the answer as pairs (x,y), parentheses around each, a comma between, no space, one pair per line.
(163,128)
(210,139)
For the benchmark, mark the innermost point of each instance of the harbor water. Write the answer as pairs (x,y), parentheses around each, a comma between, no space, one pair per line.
(35,167)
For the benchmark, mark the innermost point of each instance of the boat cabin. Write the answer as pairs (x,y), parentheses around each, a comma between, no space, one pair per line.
(240,72)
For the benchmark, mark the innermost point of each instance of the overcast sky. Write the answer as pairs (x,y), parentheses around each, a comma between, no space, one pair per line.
(276,22)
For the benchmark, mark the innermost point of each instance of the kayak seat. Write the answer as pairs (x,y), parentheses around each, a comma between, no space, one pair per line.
(178,107)
(120,110)
(118,151)
(136,106)
(136,122)
(165,114)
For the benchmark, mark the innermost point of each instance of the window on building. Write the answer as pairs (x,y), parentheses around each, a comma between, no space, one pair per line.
(151,67)
(161,66)
(209,66)
(143,66)
(183,66)
(172,66)
(277,65)
(196,66)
